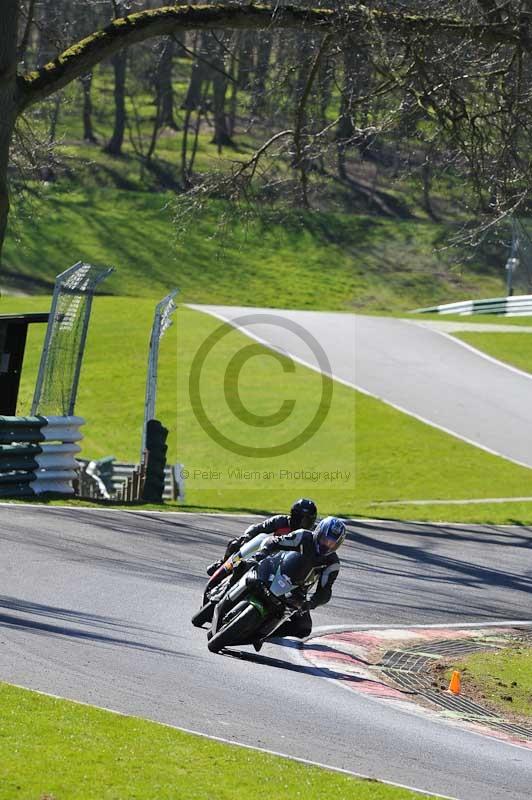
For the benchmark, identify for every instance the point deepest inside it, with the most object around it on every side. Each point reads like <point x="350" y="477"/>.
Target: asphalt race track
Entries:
<point x="412" y="366"/>
<point x="95" y="606"/>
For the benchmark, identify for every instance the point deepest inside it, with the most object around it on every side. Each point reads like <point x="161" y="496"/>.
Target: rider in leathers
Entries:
<point x="302" y="515"/>
<point x="319" y="547"/>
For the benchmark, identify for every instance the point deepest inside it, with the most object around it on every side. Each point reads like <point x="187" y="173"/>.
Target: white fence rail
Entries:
<point x="518" y="306"/>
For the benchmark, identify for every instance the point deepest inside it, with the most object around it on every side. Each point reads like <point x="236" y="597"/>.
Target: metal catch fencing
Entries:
<point x="37" y="455"/>
<point x="64" y="343"/>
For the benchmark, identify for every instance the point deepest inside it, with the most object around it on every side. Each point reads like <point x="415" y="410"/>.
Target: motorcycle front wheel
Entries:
<point x="237" y="630"/>
<point x="204" y="614"/>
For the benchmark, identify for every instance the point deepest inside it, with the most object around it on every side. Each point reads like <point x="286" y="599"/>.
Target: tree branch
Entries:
<point x="83" y="56"/>
<point x="300" y="118"/>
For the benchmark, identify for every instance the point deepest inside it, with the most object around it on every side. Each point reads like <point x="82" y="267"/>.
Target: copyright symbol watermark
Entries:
<point x="287" y="406"/>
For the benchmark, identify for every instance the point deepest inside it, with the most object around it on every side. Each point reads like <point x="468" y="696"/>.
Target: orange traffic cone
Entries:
<point x="455" y="684"/>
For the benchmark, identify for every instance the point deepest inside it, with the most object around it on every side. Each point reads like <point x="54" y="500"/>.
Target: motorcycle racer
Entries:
<point x="303" y="514"/>
<point x="319" y="547"/>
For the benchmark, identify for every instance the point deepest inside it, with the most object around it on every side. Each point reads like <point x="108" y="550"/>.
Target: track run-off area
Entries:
<point x="96" y="606"/>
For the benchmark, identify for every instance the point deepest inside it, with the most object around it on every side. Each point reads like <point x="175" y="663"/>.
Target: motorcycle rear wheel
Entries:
<point x="236" y="630"/>
<point x="204" y="614"/>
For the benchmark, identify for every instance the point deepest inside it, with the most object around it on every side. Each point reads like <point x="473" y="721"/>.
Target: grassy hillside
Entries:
<point x="281" y="259"/>
<point x="121" y="210"/>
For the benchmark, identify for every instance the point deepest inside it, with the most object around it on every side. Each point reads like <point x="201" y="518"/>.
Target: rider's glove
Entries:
<point x="257" y="557"/>
<point x="235" y="545"/>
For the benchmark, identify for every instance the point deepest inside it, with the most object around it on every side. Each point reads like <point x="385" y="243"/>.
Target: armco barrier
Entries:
<point x="174" y="484"/>
<point x="21" y="429"/>
<point x="520" y="305"/>
<point x="20" y="439"/>
<point x="118" y="477"/>
<point x="57" y="463"/>
<point x="37" y="455"/>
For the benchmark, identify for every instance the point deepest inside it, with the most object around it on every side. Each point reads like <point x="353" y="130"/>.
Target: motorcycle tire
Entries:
<point x="203" y="615"/>
<point x="237" y="629"/>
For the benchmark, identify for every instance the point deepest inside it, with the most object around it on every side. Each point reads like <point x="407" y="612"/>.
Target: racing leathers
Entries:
<point x="323" y="573"/>
<point x="278" y="525"/>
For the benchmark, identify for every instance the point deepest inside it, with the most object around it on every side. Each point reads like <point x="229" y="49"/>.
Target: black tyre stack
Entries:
<point x="156" y="449"/>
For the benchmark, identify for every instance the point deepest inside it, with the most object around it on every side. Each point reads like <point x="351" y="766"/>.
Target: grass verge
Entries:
<point x="510" y="512"/>
<point x="53" y="749"/>
<point x="502" y="680"/>
<point x="512" y="348"/>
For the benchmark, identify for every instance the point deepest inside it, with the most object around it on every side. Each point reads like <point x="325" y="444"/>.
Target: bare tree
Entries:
<point x="164" y="88"/>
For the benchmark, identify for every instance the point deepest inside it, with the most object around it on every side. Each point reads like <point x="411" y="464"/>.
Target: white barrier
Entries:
<point x="57" y="463"/>
<point x="63" y="429"/>
<point x="518" y="306"/>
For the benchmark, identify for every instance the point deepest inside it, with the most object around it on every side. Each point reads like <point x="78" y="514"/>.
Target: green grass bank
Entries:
<point x="54" y="749"/>
<point x="279" y="258"/>
<point x="502" y="679"/>
<point x="512" y="348"/>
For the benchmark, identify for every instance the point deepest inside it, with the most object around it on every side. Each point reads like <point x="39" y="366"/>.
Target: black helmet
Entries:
<point x="303" y="514"/>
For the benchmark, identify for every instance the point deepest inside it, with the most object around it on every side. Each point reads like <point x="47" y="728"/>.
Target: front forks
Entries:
<point x="227" y="603"/>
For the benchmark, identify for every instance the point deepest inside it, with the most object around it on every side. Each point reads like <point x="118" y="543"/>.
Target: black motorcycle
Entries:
<point x="232" y="569"/>
<point x="264" y="598"/>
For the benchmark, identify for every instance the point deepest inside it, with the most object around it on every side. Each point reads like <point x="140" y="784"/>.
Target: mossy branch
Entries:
<point x="123" y="32"/>
<point x="134" y="28"/>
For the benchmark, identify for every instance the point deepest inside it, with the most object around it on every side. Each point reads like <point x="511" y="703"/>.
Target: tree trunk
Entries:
<point x="165" y="90"/>
<point x="198" y="75"/>
<point x="426" y="172"/>
<point x="345" y="129"/>
<point x="46" y="49"/>
<point x="47" y="172"/>
<point x="185" y="178"/>
<point x="221" y="129"/>
<point x="88" y="131"/>
<point x="261" y="73"/>
<point x="233" y="99"/>
<point x="220" y="79"/>
<point x="116" y="141"/>
<point x="243" y="48"/>
<point x="8" y="109"/>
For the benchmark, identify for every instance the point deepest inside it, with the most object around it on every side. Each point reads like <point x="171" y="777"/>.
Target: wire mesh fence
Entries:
<point x="58" y="377"/>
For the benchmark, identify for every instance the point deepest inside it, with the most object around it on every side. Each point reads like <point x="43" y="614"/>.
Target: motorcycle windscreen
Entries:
<point x="281" y="584"/>
<point x="284" y="571"/>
